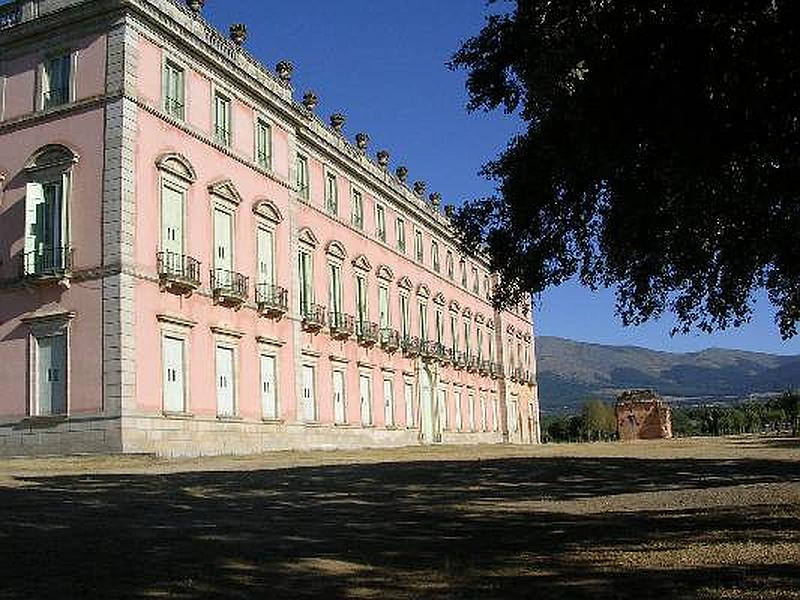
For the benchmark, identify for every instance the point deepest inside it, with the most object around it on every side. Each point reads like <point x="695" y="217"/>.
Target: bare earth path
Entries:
<point x="697" y="518"/>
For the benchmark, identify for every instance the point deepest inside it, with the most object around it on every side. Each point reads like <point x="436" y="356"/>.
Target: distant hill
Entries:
<point x="570" y="371"/>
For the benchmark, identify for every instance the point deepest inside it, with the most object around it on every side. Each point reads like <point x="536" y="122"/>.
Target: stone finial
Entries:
<point x="238" y="33"/>
<point x="436" y="199"/>
<point x="285" y="69"/>
<point x="337" y="121"/>
<point x="402" y="173"/>
<point x="419" y="188"/>
<point x="449" y="211"/>
<point x="195" y="5"/>
<point x="310" y="100"/>
<point x="362" y="139"/>
<point x="383" y="158"/>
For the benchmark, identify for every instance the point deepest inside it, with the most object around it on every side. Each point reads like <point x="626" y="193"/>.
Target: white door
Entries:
<point x="426" y="406"/>
<point x="388" y="402"/>
<point x="269" y="399"/>
<point x="225" y="406"/>
<point x="459" y="417"/>
<point x="171" y="222"/>
<point x="52" y="380"/>
<point x="223" y="233"/>
<point x="471" y="410"/>
<point x="339" y="413"/>
<point x="309" y="407"/>
<point x="174" y="395"/>
<point x="441" y="410"/>
<point x="266" y="260"/>
<point x="484" y="414"/>
<point x="366" y="400"/>
<point x="408" y="399"/>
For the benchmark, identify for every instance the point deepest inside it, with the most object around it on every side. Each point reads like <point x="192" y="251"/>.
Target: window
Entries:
<point x="222" y="119"/>
<point x="463" y="267"/>
<point x="265" y="251"/>
<point x="419" y="253"/>
<point x="51" y="374"/>
<point x="223" y="242"/>
<point x="380" y="222"/>
<point x="174" y="90"/>
<point x="365" y="396"/>
<point x="304" y="267"/>
<point x="487" y="289"/>
<point x="475" y="282"/>
<point x="46" y="241"/>
<point x="439" y="326"/>
<point x="357" y="216"/>
<point x="173" y="359"/>
<point x="491" y="345"/>
<point x="459" y="418"/>
<point x="308" y="406"/>
<point x="454" y="332"/>
<point x="301" y="166"/>
<point x="263" y="144"/>
<point x="467" y="335"/>
<point x="442" y="407"/>
<point x="471" y="409"/>
<point x="405" y="324"/>
<point x="400" y="227"/>
<point x="362" y="315"/>
<point x="335" y="291"/>
<point x="56" y="81"/>
<point x="388" y="402"/>
<point x="331" y="194"/>
<point x="172" y="208"/>
<point x="449" y="264"/>
<point x="383" y="307"/>
<point x="339" y="400"/>
<point x="435" y="255"/>
<point x="226" y="405"/>
<point x="479" y="334"/>
<point x="423" y="320"/>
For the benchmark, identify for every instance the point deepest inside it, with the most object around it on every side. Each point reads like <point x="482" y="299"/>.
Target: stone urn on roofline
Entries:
<point x="195" y="5"/>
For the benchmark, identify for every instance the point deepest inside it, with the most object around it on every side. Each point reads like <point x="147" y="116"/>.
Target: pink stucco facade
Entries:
<point x="144" y="170"/>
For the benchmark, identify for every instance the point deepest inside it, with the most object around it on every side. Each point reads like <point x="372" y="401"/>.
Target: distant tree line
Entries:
<point x="597" y="420"/>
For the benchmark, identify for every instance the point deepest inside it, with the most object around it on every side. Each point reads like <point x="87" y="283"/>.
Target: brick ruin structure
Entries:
<point x="642" y="415"/>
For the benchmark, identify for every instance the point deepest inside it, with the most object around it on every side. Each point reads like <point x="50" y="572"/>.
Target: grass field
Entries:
<point x="697" y="518"/>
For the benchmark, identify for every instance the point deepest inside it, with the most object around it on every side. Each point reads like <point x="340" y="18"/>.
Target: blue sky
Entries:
<point x="383" y="65"/>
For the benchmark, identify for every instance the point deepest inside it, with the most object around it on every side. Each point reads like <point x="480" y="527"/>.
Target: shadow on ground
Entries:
<point x="399" y="530"/>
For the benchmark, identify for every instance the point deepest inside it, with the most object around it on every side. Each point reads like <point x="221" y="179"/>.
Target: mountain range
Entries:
<point x="570" y="371"/>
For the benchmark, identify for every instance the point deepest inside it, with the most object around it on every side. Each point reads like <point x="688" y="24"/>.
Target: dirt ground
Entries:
<point x="692" y="518"/>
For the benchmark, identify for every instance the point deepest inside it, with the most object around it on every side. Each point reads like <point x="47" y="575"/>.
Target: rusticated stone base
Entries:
<point x="75" y="435"/>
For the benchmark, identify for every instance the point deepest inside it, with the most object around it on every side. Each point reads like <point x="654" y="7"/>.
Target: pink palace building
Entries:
<point x="192" y="262"/>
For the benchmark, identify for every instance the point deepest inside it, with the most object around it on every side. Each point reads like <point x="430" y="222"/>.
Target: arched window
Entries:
<point x="47" y="197"/>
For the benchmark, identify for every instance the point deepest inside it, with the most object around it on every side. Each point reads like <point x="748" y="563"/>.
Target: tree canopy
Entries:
<point x="659" y="155"/>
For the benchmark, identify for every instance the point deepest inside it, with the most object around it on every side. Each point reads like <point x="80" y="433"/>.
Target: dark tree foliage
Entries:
<point x="660" y="157"/>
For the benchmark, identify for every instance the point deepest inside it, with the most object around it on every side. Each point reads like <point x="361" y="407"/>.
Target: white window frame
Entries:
<point x="303" y="176"/>
<point x="170" y="63"/>
<point x="331" y="193"/>
<point x="419" y="249"/>
<point x="435" y="255"/>
<point x="178" y="329"/>
<point x="228" y="344"/>
<point x="356" y="208"/>
<point x="380" y="221"/>
<point x="48" y="328"/>
<point x="272" y="352"/>
<point x="72" y="57"/>
<point x="400" y="231"/>
<point x="227" y="99"/>
<point x="262" y="158"/>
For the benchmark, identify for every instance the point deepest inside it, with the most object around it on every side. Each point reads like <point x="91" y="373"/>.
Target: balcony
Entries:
<point x="47" y="265"/>
<point x="229" y="288"/>
<point x="390" y="340"/>
<point x="313" y="317"/>
<point x="459" y="360"/>
<point x="368" y="333"/>
<point x="512" y="374"/>
<point x="178" y="273"/>
<point x="447" y="357"/>
<point x="341" y="325"/>
<point x="10" y="15"/>
<point x="272" y="300"/>
<point x="472" y="363"/>
<point x="485" y="367"/>
<point x="411" y="347"/>
<point x="496" y="370"/>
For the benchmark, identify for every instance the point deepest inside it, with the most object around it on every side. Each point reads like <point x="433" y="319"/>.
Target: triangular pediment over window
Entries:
<point x="423" y="290"/>
<point x="307" y="237"/>
<point x="336" y="249"/>
<point x="361" y="262"/>
<point x="385" y="272"/>
<point x="176" y="164"/>
<point x="226" y="190"/>
<point x="404" y="282"/>
<point x="439" y="298"/>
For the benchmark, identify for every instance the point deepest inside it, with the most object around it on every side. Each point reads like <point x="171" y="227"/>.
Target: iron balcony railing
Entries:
<point x="178" y="270"/>
<point x="472" y="363"/>
<point x="432" y="350"/>
<point x="459" y="360"/>
<point x="485" y="367"/>
<point x="368" y="333"/>
<point x="229" y="287"/>
<point x="341" y="325"/>
<point x="51" y="261"/>
<point x="390" y="339"/>
<point x="272" y="300"/>
<point x="55" y="97"/>
<point x="447" y="356"/>
<point x="411" y="346"/>
<point x="174" y="108"/>
<point x="496" y="370"/>
<point x="313" y="317"/>
<point x="10" y="15"/>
